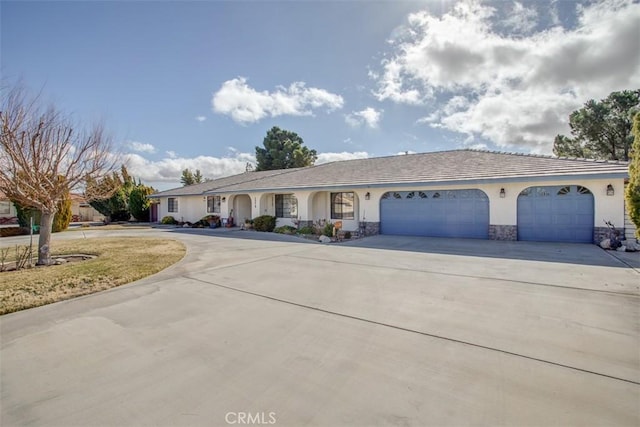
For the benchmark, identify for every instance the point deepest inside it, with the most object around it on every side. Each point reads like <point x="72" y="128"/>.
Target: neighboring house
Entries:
<point x="8" y="213"/>
<point x="459" y="193"/>
<point x="82" y="211"/>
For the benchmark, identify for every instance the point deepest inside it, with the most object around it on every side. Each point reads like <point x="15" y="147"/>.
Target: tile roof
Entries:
<point x="443" y="166"/>
<point x="434" y="167"/>
<point x="199" y="189"/>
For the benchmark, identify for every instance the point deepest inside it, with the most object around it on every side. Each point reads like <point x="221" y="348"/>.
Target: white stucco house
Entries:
<point x="458" y="193"/>
<point x="8" y="214"/>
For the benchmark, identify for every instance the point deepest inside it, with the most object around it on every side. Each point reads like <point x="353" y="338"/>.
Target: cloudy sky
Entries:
<point x="198" y="84"/>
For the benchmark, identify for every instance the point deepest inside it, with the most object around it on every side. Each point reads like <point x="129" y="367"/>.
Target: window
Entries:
<point x="286" y="206"/>
<point x="172" y="204"/>
<point x="213" y="204"/>
<point x="5" y="207"/>
<point x="342" y="206"/>
<point x="583" y="190"/>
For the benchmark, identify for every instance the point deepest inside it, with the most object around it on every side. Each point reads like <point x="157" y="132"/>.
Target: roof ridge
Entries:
<point x="283" y="171"/>
<point x="548" y="156"/>
<point x="393" y="155"/>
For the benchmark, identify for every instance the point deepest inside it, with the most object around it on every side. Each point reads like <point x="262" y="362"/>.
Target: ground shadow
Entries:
<point x="566" y="253"/>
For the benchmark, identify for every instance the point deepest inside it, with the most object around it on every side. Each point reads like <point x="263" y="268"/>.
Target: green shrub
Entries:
<point x="62" y="218"/>
<point x="207" y="221"/>
<point x="306" y="230"/>
<point x="285" y="229"/>
<point x="328" y="229"/>
<point x="139" y="203"/>
<point x="169" y="220"/>
<point x="24" y="215"/>
<point x="264" y="223"/>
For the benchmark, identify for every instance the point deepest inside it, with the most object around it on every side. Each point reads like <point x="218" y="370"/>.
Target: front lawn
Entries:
<point x="118" y="261"/>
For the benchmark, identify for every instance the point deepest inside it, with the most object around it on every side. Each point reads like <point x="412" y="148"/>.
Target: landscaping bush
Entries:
<point x="328" y="229"/>
<point x="62" y="218"/>
<point x="169" y="220"/>
<point x="264" y="223"/>
<point x="306" y="230"/>
<point x="207" y="221"/>
<point x="285" y="229"/>
<point x="139" y="203"/>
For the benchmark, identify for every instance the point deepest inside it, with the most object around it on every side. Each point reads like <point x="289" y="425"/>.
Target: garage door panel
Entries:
<point x="560" y="214"/>
<point x="450" y="213"/>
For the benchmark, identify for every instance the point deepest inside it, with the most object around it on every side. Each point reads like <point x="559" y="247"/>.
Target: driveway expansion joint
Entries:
<point x="413" y="331"/>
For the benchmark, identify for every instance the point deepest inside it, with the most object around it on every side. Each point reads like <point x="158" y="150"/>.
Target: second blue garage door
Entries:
<point x="556" y="214"/>
<point x="446" y="213"/>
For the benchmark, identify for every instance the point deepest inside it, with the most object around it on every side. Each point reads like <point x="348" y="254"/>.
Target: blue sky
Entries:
<point x="198" y="84"/>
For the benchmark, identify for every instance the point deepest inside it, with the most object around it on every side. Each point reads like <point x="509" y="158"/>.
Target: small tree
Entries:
<point x="139" y="203"/>
<point x="283" y="150"/>
<point x="64" y="214"/>
<point x="190" y="178"/>
<point x="116" y="205"/>
<point x="632" y="194"/>
<point x="44" y="155"/>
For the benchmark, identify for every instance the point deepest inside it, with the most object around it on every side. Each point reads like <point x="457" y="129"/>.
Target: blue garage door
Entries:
<point x="556" y="214"/>
<point x="446" y="213"/>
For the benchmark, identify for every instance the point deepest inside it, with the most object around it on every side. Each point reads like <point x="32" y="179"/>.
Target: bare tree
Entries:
<point x="44" y="154"/>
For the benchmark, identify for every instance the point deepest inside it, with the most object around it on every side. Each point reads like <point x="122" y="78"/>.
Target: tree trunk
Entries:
<point x="44" y="242"/>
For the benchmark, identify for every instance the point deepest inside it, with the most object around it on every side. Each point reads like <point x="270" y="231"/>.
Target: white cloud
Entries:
<point x="345" y="155"/>
<point x="247" y="105"/>
<point x="513" y="89"/>
<point x="200" y="118"/>
<point x="369" y="117"/>
<point x="166" y="173"/>
<point x="171" y="154"/>
<point x="169" y="170"/>
<point x="521" y="19"/>
<point x="141" y="147"/>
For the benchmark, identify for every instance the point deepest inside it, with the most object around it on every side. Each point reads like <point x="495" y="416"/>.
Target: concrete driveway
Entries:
<point x="263" y="329"/>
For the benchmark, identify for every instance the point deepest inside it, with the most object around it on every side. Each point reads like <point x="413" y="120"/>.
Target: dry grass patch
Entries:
<point x="118" y="261"/>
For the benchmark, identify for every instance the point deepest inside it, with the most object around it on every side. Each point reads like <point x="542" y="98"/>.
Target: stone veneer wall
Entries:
<point x="503" y="232"/>
<point x="601" y="233"/>
<point x="370" y="228"/>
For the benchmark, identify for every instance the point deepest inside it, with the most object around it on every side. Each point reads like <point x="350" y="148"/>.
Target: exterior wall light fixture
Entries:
<point x="367" y="196"/>
<point x="610" y="191"/>
<point x="224" y="199"/>
<point x="503" y="193"/>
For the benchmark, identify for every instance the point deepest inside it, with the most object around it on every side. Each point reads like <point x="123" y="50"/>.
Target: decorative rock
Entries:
<point x="605" y="244"/>
<point x="633" y="247"/>
<point x="59" y="261"/>
<point x="324" y="239"/>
